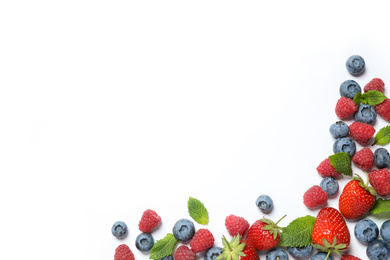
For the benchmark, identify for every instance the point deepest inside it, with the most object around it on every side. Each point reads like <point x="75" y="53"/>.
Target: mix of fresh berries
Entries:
<point x="320" y="236"/>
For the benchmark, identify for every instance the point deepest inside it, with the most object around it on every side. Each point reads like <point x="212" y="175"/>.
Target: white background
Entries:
<point x="109" y="108"/>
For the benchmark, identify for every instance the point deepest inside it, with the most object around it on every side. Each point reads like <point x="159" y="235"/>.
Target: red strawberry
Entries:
<point x="383" y="109"/>
<point x="149" y="221"/>
<point x="184" y="253"/>
<point x="364" y="159"/>
<point x="345" y="108"/>
<point x="238" y="249"/>
<point x="380" y="181"/>
<point x="330" y="232"/>
<point x="375" y="84"/>
<point x="361" y="132"/>
<point x="314" y="197"/>
<point x="264" y="234"/>
<point x="325" y="169"/>
<point x="202" y="240"/>
<point x="236" y="225"/>
<point x="249" y="251"/>
<point x="350" y="257"/>
<point x="123" y="252"/>
<point x="356" y="198"/>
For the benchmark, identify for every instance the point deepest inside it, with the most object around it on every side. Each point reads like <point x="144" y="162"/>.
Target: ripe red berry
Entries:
<point x="149" y="221"/>
<point x="345" y="108"/>
<point x="375" y="84"/>
<point x="361" y="132"/>
<point x="380" y="181"/>
<point x="235" y="224"/>
<point x="383" y="109"/>
<point x="202" y="240"/>
<point x="364" y="159"/>
<point x="325" y="169"/>
<point x="184" y="253"/>
<point x="350" y="257"/>
<point x="315" y="196"/>
<point x="123" y="252"/>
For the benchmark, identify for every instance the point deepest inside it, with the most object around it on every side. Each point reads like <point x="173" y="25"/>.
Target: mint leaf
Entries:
<point x="381" y="206"/>
<point x="383" y="136"/>
<point x="197" y="211"/>
<point x="357" y="98"/>
<point x="163" y="247"/>
<point x="342" y="163"/>
<point x="298" y="232"/>
<point x="373" y="97"/>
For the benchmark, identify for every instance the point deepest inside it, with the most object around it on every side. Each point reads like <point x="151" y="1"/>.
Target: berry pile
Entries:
<point x="319" y="237"/>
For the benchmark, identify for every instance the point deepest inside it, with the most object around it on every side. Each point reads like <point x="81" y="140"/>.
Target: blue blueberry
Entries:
<point x="330" y="186"/>
<point x="265" y="203"/>
<point x="378" y="250"/>
<point x="300" y="252"/>
<point x="144" y="242"/>
<point x="355" y="65"/>
<point x="349" y="88"/>
<point x="183" y="230"/>
<point x="170" y="257"/>
<point x="321" y="256"/>
<point x="385" y="231"/>
<point x="346" y="145"/>
<point x="212" y="253"/>
<point x="365" y="114"/>
<point x="339" y="129"/>
<point x="277" y="254"/>
<point x="381" y="158"/>
<point x="366" y="231"/>
<point x="119" y="229"/>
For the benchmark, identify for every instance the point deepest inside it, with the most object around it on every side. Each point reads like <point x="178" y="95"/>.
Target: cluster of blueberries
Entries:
<point x="367" y="232"/>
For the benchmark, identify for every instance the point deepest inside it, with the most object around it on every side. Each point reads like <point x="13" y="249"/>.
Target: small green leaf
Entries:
<point x="342" y="163"/>
<point x="381" y="206"/>
<point x="383" y="136"/>
<point x="357" y="98"/>
<point x="197" y="211"/>
<point x="373" y="97"/>
<point x="163" y="247"/>
<point x="298" y="232"/>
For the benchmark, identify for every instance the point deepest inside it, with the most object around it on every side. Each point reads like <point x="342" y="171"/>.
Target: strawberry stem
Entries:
<point x="328" y="254"/>
<point x="280" y="219"/>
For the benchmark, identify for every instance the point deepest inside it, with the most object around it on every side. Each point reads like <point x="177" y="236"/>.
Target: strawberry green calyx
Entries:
<point x="364" y="185"/>
<point x="331" y="248"/>
<point x="232" y="250"/>
<point x="272" y="227"/>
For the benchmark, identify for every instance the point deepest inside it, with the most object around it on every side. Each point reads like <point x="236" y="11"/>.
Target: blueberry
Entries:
<point x="330" y="186"/>
<point x="119" y="229"/>
<point x="183" y="230"/>
<point x="265" y="203"/>
<point x="339" y="129"/>
<point x="345" y="144"/>
<point x="378" y="250"/>
<point x="300" y="252"/>
<point x="385" y="231"/>
<point x="366" y="231"/>
<point x="212" y="253"/>
<point x="277" y="254"/>
<point x="381" y="158"/>
<point x="355" y="65"/>
<point x="321" y="256"/>
<point x="144" y="242"/>
<point x="365" y="114"/>
<point x="349" y="88"/>
<point x="170" y="257"/>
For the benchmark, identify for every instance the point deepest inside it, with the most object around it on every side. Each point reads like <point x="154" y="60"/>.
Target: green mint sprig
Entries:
<point x="298" y="232"/>
<point x="197" y="211"/>
<point x="383" y="136"/>
<point x="342" y="163"/>
<point x="163" y="247"/>
<point x="381" y="206"/>
<point x="372" y="98"/>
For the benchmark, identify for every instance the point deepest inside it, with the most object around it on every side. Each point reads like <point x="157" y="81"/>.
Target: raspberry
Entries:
<point x="380" y="181"/>
<point x="149" y="221"/>
<point x="364" y="159"/>
<point x="236" y="225"/>
<point x="314" y="197"/>
<point x="375" y="84"/>
<point x="325" y="169"/>
<point x="202" y="240"/>
<point x="123" y="252"/>
<point x="184" y="253"/>
<point x="383" y="109"/>
<point x="345" y="108"/>
<point x="350" y="257"/>
<point x="361" y="132"/>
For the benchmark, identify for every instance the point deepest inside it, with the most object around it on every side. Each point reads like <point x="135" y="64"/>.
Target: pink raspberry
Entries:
<point x="315" y="197"/>
<point x="123" y="252"/>
<point x="202" y="240"/>
<point x="184" y="253"/>
<point x="383" y="109"/>
<point x="375" y="84"/>
<point x="236" y="225"/>
<point x="149" y="221"/>
<point x="361" y="132"/>
<point x="345" y="108"/>
<point x="380" y="181"/>
<point x="325" y="169"/>
<point x="364" y="159"/>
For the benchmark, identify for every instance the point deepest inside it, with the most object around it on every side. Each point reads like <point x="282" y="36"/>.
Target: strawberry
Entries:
<point x="330" y="232"/>
<point x="325" y="169"/>
<point x="364" y="159"/>
<point x="345" y="108"/>
<point x="380" y="181"/>
<point x="264" y="234"/>
<point x="238" y="249"/>
<point x="356" y="198"/>
<point x="361" y="132"/>
<point x="375" y="84"/>
<point x="123" y="252"/>
<point x="149" y="221"/>
<point x="350" y="257"/>
<point x="236" y="225"/>
<point x="249" y="251"/>
<point x="184" y="253"/>
<point x="202" y="240"/>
